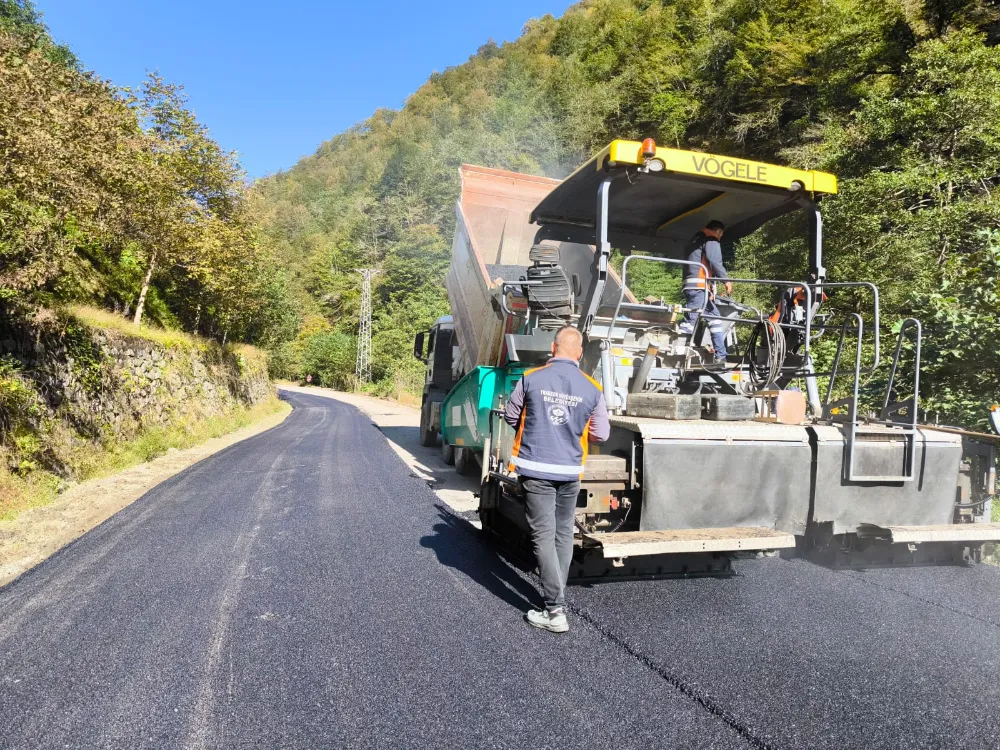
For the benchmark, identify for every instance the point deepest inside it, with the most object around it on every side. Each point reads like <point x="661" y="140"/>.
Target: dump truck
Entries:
<point x="706" y="461"/>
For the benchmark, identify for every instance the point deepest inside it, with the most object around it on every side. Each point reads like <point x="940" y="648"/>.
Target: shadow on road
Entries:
<point x="407" y="437"/>
<point x="430" y="462"/>
<point x="456" y="546"/>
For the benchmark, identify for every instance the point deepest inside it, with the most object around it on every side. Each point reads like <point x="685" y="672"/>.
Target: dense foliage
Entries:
<point x="122" y="198"/>
<point x="897" y="98"/>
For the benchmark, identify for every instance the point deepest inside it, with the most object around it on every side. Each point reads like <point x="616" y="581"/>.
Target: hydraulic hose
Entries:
<point x="763" y="375"/>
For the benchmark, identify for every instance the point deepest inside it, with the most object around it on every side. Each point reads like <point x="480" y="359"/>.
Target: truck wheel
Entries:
<point x="465" y="461"/>
<point x="428" y="432"/>
<point x="447" y="453"/>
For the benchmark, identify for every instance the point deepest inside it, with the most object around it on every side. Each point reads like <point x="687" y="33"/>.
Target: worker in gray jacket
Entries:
<point x="556" y="410"/>
<point x="705" y="249"/>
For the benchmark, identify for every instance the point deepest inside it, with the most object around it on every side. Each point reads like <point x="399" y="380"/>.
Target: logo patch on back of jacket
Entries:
<point x="557" y="414"/>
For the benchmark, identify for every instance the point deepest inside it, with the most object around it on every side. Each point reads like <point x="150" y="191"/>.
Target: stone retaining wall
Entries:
<point x="106" y="383"/>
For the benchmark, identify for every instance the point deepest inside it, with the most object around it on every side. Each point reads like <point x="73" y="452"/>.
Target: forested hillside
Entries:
<point x="900" y="99"/>
<point x="122" y="199"/>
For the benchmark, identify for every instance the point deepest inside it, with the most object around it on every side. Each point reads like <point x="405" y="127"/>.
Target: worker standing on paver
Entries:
<point x="705" y="249"/>
<point x="556" y="410"/>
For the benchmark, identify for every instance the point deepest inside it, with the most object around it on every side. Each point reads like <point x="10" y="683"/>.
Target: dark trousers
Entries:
<point x="550" y="509"/>
<point x="693" y="299"/>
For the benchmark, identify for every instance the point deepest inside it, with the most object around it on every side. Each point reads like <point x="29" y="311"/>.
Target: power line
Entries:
<point x="363" y="364"/>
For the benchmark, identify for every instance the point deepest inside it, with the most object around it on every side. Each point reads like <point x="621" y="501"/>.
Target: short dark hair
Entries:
<point x="715" y="224"/>
<point x="566" y="333"/>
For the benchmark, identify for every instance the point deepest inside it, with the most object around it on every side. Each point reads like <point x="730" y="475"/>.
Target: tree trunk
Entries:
<point x="197" y="313"/>
<point x="141" y="304"/>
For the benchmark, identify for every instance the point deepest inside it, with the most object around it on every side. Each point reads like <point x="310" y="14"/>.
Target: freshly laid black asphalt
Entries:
<point x="305" y="589"/>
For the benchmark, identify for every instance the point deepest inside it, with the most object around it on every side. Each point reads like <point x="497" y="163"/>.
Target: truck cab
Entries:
<point x="435" y="348"/>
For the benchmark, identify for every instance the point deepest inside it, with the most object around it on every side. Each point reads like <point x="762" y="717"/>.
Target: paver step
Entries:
<point x="730" y="539"/>
<point x="946" y="532"/>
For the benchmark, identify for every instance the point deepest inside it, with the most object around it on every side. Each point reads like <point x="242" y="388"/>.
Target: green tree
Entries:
<point x="960" y="371"/>
<point x="21" y="18"/>
<point x="330" y="358"/>
<point x="73" y="160"/>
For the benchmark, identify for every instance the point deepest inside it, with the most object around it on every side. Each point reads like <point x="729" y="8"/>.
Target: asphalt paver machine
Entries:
<point x="705" y="461"/>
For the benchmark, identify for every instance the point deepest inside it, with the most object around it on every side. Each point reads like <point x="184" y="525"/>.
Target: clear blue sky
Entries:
<point x="272" y="80"/>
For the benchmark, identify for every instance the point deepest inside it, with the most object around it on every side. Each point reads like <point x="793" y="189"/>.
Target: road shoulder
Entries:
<point x="37" y="533"/>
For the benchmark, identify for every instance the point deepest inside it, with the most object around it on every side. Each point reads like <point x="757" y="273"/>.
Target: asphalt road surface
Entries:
<point x="305" y="589"/>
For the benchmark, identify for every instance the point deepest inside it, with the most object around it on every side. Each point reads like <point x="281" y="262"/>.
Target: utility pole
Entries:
<point x="363" y="365"/>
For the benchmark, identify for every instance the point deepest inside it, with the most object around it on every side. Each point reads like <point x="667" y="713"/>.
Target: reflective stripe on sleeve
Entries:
<point x="524" y="463"/>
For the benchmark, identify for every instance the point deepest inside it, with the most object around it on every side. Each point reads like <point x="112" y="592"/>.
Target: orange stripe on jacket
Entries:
<point x="517" y="442"/>
<point x="585" y="437"/>
<point x="585" y="444"/>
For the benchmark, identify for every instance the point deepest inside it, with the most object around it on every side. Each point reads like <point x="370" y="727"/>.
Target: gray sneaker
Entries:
<point x="554" y="622"/>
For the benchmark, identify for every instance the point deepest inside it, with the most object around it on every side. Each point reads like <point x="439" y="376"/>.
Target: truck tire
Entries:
<point x="448" y="453"/>
<point x="428" y="432"/>
<point x="465" y="461"/>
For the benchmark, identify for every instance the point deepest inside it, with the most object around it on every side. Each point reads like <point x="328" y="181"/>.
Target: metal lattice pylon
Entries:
<point x="363" y="364"/>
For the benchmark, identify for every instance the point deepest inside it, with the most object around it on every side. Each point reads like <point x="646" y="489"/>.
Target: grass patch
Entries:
<point x="991" y="551"/>
<point x="17" y="494"/>
<point x="98" y="318"/>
